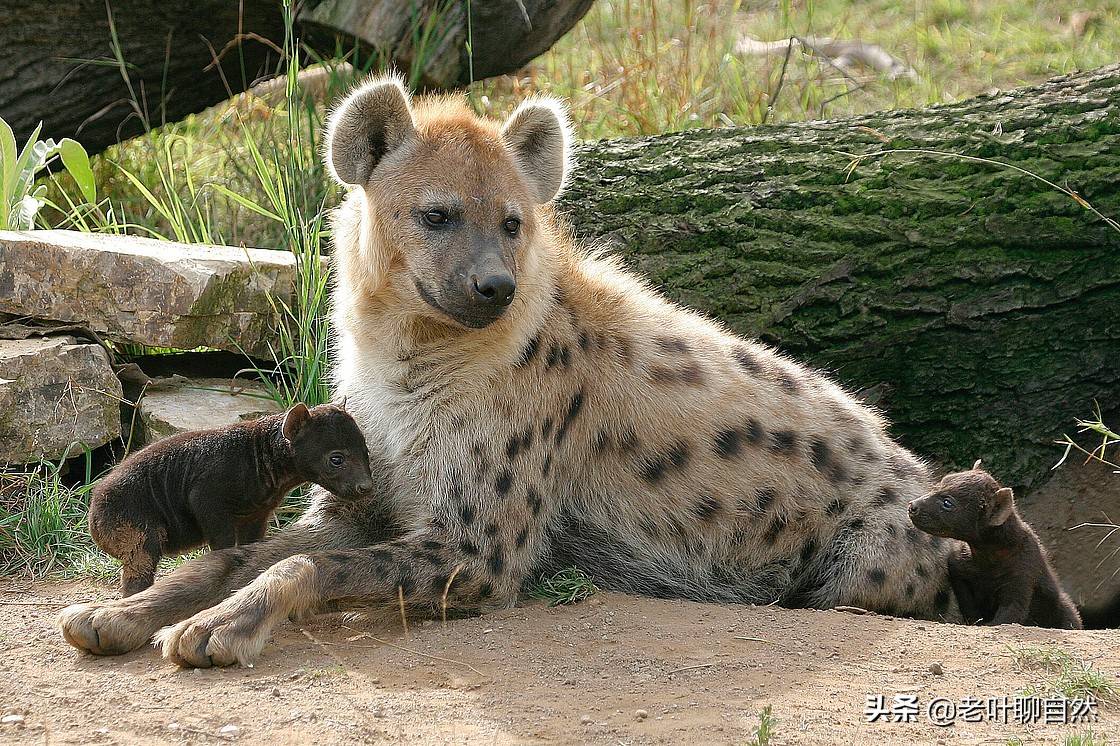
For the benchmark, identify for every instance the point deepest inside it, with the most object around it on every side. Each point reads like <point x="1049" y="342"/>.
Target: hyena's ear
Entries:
<point x="976" y="465"/>
<point x="538" y="132"/>
<point x="1001" y="506"/>
<point x="296" y="418"/>
<point x="368" y="125"/>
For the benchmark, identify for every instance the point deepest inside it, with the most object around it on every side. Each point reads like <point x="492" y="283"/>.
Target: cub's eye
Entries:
<point x="946" y="503"/>
<point x="337" y="459"/>
<point x="436" y="218"/>
<point x="512" y="226"/>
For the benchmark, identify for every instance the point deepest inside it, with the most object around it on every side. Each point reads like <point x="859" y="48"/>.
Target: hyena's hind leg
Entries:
<point x="116" y="627"/>
<point x="878" y="561"/>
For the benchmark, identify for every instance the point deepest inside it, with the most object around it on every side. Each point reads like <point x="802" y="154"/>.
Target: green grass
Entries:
<point x="565" y="587"/>
<point x="43" y="519"/>
<point x="1088" y="738"/>
<point x="1064" y="674"/>
<point x="765" y="730"/>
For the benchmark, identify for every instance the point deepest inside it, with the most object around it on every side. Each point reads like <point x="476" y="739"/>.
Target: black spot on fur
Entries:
<point x="574" y="408"/>
<point x="877" y="576"/>
<point x="439" y="583"/>
<point x="856" y="524"/>
<point x="522" y="537"/>
<point x="913" y="535"/>
<point x="492" y="529"/>
<point x="754" y="431"/>
<point x="601" y="443"/>
<point x="783" y="441"/>
<point x="546" y="428"/>
<point x="432" y="545"/>
<point x="513" y="447"/>
<point x="909" y="590"/>
<point x="707" y="507"/>
<point x="922" y="571"/>
<point x="485" y="590"/>
<point x="468" y="548"/>
<point x="530" y="351"/>
<point x="496" y="563"/>
<point x="747" y="361"/>
<point x="727" y="442"/>
<point x="819" y="454"/>
<point x="672" y="344"/>
<point x="788" y="383"/>
<point x="836" y="507"/>
<point x="533" y="499"/>
<point x="941" y="600"/>
<point x="777" y="526"/>
<point x="466" y="512"/>
<point x="808" y="551"/>
<point x="584" y="340"/>
<point x="503" y="482"/>
<point x="653" y="469"/>
<point x="546" y="467"/>
<point x="628" y="441"/>
<point x="678" y="454"/>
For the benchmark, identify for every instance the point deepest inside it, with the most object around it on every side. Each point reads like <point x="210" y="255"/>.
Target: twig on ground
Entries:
<point x="690" y="668"/>
<point x="368" y="636"/>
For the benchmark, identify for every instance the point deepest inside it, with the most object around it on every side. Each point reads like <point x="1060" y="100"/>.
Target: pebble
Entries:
<point x="377" y="712"/>
<point x="641" y="714"/>
<point x="229" y="730"/>
<point x="936" y="669"/>
<point x="275" y="691"/>
<point x="585" y="720"/>
<point x="12" y="719"/>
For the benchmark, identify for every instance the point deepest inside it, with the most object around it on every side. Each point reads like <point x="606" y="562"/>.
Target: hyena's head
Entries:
<point x="452" y="228"/>
<point x="964" y="506"/>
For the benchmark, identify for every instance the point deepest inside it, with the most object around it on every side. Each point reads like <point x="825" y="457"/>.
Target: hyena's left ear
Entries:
<point x="538" y="132"/>
<point x="1001" y="506"/>
<point x="373" y="121"/>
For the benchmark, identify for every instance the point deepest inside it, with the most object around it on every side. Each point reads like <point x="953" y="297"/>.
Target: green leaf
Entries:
<point x="7" y="168"/>
<point x="76" y="160"/>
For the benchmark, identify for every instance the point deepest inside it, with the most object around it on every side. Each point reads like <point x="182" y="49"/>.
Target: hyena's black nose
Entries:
<point x="912" y="507"/>
<point x="494" y="289"/>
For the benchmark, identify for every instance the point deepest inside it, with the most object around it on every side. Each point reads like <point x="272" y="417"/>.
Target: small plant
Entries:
<point x="43" y="519"/>
<point x="1088" y="738"/>
<point x="1072" y="678"/>
<point x="765" y="730"/>
<point x="565" y="587"/>
<point x="21" y="197"/>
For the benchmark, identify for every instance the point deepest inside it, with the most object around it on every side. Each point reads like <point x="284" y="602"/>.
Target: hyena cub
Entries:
<point x="1003" y="576"/>
<point x="219" y="487"/>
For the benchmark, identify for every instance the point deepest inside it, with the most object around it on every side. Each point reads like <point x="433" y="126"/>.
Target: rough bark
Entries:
<point x="58" y="65"/>
<point x="978" y="306"/>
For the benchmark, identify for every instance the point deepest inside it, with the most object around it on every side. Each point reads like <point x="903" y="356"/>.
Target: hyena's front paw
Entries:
<point x="104" y="629"/>
<point x="234" y="631"/>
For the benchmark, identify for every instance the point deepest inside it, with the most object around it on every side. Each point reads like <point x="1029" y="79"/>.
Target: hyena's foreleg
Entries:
<point x="115" y="627"/>
<point x="426" y="567"/>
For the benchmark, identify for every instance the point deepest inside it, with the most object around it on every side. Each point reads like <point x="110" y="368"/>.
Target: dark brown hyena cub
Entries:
<point x="219" y="487"/>
<point x="1003" y="575"/>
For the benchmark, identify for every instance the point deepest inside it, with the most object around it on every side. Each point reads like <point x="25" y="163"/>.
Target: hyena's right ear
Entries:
<point x="368" y="125"/>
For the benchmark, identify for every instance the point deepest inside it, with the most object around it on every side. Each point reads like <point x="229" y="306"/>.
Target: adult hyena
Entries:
<point x="529" y="406"/>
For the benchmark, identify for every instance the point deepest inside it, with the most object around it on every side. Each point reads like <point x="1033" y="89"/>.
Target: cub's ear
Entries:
<point x="539" y="134"/>
<point x="368" y="125"/>
<point x="1002" y="502"/>
<point x="296" y="418"/>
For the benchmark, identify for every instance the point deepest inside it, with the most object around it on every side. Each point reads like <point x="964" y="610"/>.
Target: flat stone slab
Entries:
<point x="171" y="406"/>
<point x="154" y="293"/>
<point x="55" y="391"/>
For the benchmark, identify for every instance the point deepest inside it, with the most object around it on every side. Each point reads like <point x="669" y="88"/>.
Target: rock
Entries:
<point x="148" y="292"/>
<point x="12" y="719"/>
<point x="55" y="391"/>
<point x="585" y="720"/>
<point x="171" y="406"/>
<point x="936" y="669"/>
<point x="641" y="714"/>
<point x="229" y="730"/>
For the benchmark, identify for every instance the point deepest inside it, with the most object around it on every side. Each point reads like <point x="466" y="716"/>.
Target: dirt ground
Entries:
<point x="613" y="669"/>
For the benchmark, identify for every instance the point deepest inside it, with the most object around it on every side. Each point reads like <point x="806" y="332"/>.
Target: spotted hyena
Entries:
<point x="531" y="405"/>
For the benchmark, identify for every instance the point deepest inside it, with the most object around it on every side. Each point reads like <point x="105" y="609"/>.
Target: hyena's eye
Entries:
<point x="337" y="459"/>
<point x="946" y="503"/>
<point x="436" y="218"/>
<point x="512" y="226"/>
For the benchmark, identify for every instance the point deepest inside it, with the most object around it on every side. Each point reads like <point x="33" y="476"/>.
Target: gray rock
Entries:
<point x="55" y="391"/>
<point x="171" y="406"/>
<point x="148" y="292"/>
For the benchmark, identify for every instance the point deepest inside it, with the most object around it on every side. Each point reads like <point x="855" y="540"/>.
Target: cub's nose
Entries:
<point x="494" y="289"/>
<point x="363" y="488"/>
<point x="912" y="507"/>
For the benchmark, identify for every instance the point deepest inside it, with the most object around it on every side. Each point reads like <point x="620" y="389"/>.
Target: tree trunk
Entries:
<point x="979" y="307"/>
<point x="60" y="63"/>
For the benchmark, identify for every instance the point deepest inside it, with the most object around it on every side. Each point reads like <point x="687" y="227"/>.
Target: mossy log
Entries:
<point x="977" y="305"/>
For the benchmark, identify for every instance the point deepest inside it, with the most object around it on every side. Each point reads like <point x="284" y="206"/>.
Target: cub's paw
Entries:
<point x="103" y="629"/>
<point x="234" y="631"/>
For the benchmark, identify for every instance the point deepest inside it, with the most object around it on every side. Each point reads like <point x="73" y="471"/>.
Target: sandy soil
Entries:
<point x="613" y="669"/>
